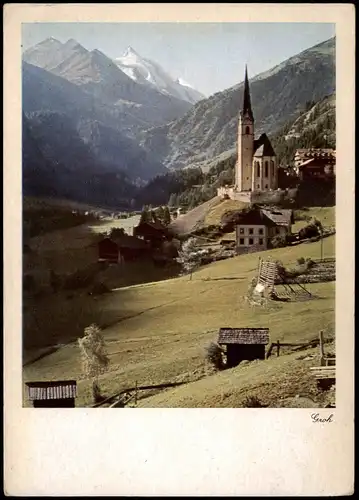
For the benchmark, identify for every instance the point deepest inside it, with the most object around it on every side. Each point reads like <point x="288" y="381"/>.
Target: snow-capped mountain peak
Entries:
<point x="129" y="53"/>
<point x="147" y="72"/>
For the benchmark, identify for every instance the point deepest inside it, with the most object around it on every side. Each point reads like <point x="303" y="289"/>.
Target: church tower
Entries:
<point x="245" y="142"/>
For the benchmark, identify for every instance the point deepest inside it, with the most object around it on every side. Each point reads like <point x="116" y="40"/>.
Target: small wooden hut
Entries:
<point x="243" y="344"/>
<point x="54" y="394"/>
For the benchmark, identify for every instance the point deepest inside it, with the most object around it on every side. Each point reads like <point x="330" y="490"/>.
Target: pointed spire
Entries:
<point x="247" y="108"/>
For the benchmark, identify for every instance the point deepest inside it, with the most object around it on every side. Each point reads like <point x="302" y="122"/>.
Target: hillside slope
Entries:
<point x="279" y="95"/>
<point x="158" y="332"/>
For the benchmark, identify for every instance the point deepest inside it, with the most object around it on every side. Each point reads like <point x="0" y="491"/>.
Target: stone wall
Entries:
<point x="272" y="197"/>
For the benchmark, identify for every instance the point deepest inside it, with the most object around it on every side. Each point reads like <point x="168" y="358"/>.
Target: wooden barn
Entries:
<point x="108" y="251"/>
<point x="243" y="344"/>
<point x="121" y="249"/>
<point x="58" y="394"/>
<point x="154" y="233"/>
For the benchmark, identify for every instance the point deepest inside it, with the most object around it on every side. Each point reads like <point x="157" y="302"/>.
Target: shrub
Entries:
<point x="98" y="397"/>
<point x="81" y="278"/>
<point x="301" y="260"/>
<point x="279" y="241"/>
<point x="252" y="402"/>
<point x="99" y="289"/>
<point x="309" y="231"/>
<point x="214" y="355"/>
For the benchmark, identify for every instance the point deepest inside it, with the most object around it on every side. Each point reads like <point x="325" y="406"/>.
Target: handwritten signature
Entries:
<point x="316" y="418"/>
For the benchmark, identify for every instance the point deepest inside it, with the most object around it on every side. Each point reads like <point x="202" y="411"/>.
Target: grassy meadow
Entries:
<point x="157" y="332"/>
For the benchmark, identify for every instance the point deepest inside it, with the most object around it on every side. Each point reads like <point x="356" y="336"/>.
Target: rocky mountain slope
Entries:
<point x="209" y="129"/>
<point x="57" y="163"/>
<point x="190" y="187"/>
<point x="151" y="74"/>
<point x="72" y="145"/>
<point x="96" y="74"/>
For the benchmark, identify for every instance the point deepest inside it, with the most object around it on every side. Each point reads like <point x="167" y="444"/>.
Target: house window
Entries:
<point x="258" y="169"/>
<point x="260" y="231"/>
<point x="261" y="241"/>
<point x="250" y="230"/>
<point x="241" y="241"/>
<point x="241" y="230"/>
<point x="250" y="241"/>
<point x="248" y="130"/>
<point x="277" y="230"/>
<point x="266" y="169"/>
<point x="257" y="186"/>
<point x="266" y="186"/>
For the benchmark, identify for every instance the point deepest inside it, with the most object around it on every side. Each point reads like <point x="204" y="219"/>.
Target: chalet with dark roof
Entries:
<point x="153" y="233"/>
<point x="315" y="163"/>
<point x="121" y="249"/>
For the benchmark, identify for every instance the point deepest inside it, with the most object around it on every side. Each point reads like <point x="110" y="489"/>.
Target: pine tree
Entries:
<point x="144" y="215"/>
<point x="160" y="214"/>
<point x="166" y="216"/>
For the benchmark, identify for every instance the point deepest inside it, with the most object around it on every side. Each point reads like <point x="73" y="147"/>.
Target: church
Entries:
<point x="256" y="169"/>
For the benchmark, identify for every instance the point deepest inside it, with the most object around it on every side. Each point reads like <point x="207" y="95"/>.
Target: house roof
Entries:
<point x="265" y="217"/>
<point x="59" y="389"/>
<point x="263" y="147"/>
<point x="126" y="241"/>
<point x="243" y="336"/>
<point x="156" y="227"/>
<point x="280" y="217"/>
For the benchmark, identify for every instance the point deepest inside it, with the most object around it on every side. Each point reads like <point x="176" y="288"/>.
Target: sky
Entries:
<point x="209" y="56"/>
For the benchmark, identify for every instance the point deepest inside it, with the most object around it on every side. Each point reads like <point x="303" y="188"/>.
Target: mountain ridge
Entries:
<point x="209" y="129"/>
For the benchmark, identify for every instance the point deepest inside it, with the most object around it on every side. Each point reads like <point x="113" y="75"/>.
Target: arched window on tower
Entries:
<point x="272" y="168"/>
<point x="258" y="168"/>
<point x="248" y="130"/>
<point x="266" y="169"/>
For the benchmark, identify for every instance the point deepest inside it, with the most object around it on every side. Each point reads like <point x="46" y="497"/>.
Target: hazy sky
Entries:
<point x="209" y="56"/>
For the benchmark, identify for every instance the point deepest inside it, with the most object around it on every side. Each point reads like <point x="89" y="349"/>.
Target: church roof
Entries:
<point x="263" y="146"/>
<point x="247" y="107"/>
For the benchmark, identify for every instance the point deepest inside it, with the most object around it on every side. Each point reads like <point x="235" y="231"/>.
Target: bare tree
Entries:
<point x="95" y="360"/>
<point x="189" y="256"/>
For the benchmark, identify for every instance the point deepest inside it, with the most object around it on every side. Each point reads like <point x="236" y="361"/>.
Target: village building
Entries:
<point x="315" y="163"/>
<point x="153" y="233"/>
<point x="243" y="344"/>
<point x="121" y="249"/>
<point x="256" y="228"/>
<point x="54" y="394"/>
<point x="256" y="169"/>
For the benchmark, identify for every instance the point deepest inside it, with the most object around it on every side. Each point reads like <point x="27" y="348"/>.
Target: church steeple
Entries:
<point x="247" y="108"/>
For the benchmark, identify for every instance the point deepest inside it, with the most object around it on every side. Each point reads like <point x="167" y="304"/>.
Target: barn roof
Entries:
<point x="243" y="336"/>
<point x="59" y="389"/>
<point x="126" y="241"/>
<point x="154" y="225"/>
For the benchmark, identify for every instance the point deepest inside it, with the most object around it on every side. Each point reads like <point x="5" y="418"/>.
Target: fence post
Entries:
<point x="278" y="347"/>
<point x="321" y="348"/>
